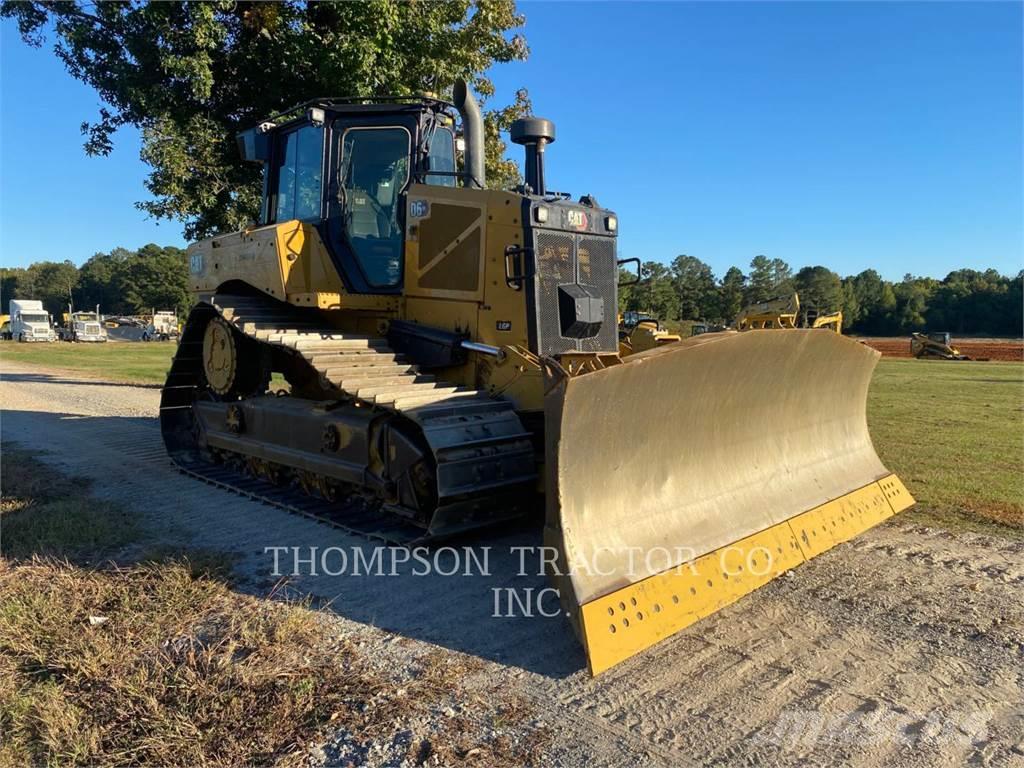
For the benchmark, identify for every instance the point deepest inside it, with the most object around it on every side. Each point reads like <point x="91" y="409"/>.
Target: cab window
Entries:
<point x="300" y="174"/>
<point x="374" y="172"/>
<point x="442" y="158"/>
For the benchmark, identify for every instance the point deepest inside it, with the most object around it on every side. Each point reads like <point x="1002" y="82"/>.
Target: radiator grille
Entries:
<point x="563" y="258"/>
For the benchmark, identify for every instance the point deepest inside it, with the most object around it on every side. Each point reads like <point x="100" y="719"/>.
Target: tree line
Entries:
<point x="966" y="301"/>
<point x="122" y="282"/>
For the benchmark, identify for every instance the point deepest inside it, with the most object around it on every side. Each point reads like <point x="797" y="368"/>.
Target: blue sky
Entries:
<point x="852" y="135"/>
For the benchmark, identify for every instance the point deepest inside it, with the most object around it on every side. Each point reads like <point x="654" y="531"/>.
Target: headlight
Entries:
<point x="541" y="214"/>
<point x="611" y="223"/>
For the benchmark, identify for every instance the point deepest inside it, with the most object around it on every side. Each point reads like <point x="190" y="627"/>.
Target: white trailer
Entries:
<point x="30" y="322"/>
<point x="163" y="326"/>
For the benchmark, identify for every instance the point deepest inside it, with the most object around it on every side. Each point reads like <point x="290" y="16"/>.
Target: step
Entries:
<point x="353" y="359"/>
<point x="445" y="415"/>
<point x="320" y="332"/>
<point x="389" y="393"/>
<point x="267" y="335"/>
<point x="253" y="315"/>
<point x="306" y="340"/>
<point x="357" y="382"/>
<point x="337" y="374"/>
<point x="437" y="400"/>
<point x="260" y="327"/>
<point x="337" y="344"/>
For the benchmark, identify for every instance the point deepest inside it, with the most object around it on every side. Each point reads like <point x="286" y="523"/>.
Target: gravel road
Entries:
<point x="904" y="647"/>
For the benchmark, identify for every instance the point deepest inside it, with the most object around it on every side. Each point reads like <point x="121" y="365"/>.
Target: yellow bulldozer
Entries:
<point x="640" y="331"/>
<point x="452" y="355"/>
<point x="784" y="312"/>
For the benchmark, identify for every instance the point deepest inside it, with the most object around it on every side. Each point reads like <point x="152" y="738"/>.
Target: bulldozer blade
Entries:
<point x="691" y="474"/>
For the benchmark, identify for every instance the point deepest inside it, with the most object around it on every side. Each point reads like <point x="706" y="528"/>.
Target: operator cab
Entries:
<point x="344" y="166"/>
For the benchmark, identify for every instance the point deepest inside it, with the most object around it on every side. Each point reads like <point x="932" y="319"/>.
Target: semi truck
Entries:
<point x="83" y="326"/>
<point x="30" y="322"/>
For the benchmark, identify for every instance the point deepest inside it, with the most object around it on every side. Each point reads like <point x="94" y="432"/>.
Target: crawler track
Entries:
<point x="482" y="455"/>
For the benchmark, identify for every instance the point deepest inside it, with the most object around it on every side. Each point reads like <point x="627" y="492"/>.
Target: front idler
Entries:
<point x="233" y="365"/>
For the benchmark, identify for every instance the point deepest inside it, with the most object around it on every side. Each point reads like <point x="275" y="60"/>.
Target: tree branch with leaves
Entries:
<point x="190" y="75"/>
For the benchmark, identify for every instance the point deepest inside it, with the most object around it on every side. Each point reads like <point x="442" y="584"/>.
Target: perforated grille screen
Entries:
<point x="563" y="258"/>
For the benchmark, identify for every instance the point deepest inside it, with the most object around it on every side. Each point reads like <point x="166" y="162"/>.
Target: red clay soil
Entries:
<point x="993" y="349"/>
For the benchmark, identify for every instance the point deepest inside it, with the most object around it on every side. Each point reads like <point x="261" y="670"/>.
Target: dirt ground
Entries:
<point x="902" y="647"/>
<point x="978" y="349"/>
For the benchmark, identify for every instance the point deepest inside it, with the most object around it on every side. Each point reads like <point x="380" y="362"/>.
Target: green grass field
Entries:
<point x="954" y="432"/>
<point x="130" y="362"/>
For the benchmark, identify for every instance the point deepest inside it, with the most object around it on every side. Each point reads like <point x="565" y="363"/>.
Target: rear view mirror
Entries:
<point x="254" y="144"/>
<point x="636" y="280"/>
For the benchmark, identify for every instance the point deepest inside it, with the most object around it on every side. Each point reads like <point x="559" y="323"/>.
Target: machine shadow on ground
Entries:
<point x="483" y="596"/>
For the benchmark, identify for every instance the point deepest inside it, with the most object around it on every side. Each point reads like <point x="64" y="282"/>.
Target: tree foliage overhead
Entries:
<point x="190" y="75"/>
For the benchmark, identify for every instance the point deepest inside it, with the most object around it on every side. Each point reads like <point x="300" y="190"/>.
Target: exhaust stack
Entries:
<point x="472" y="132"/>
<point x="534" y="133"/>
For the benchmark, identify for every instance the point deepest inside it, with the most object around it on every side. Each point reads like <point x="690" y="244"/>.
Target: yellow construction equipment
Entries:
<point x="639" y="331"/>
<point x="784" y="312"/>
<point x="452" y="349"/>
<point x="935" y="345"/>
<point x="699" y="327"/>
<point x="779" y="312"/>
<point x="832" y="321"/>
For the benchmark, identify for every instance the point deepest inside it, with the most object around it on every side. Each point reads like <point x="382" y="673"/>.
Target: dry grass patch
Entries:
<point x="151" y="665"/>
<point x="161" y="663"/>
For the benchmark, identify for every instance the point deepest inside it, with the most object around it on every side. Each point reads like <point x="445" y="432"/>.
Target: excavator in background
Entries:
<point x="784" y="312"/>
<point x="640" y="331"/>
<point x="452" y="354"/>
<point x="936" y="345"/>
<point x="832" y="321"/>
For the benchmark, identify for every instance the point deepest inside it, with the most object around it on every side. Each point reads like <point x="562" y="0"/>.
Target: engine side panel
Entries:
<point x="455" y="280"/>
<point x="288" y="262"/>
